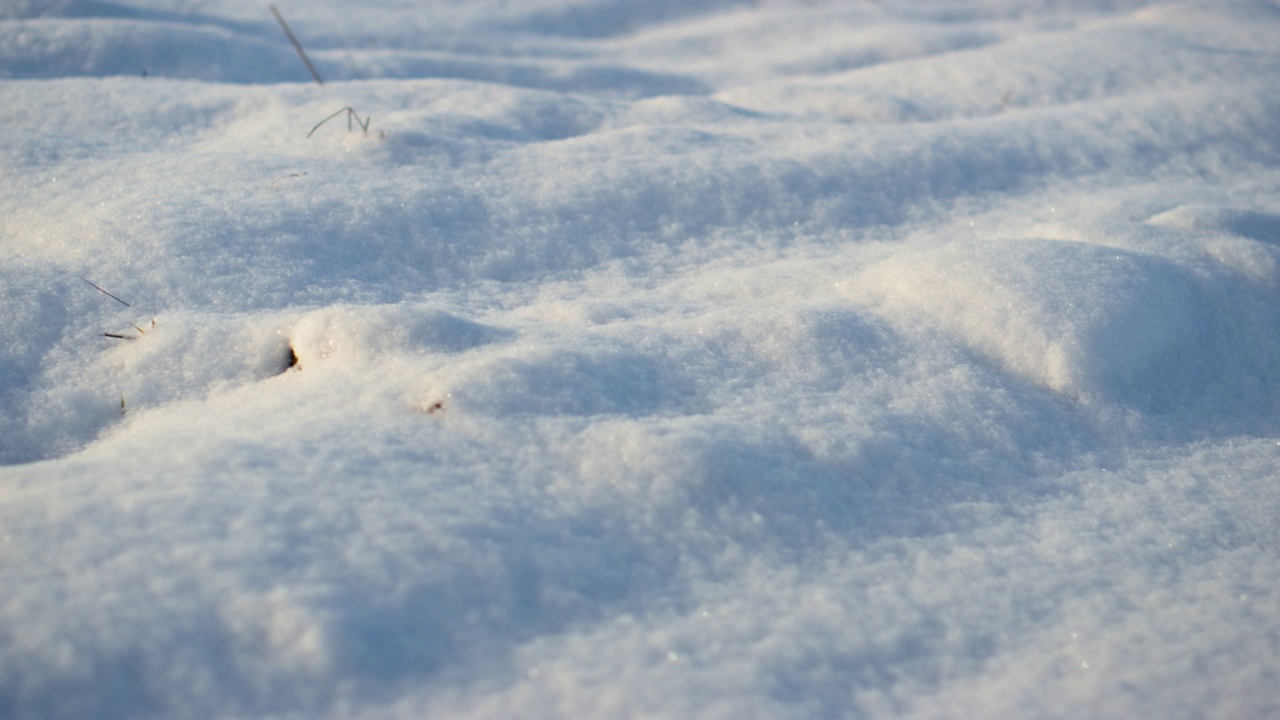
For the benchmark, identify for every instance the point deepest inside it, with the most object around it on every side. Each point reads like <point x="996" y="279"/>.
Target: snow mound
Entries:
<point x="147" y="362"/>
<point x="353" y="335"/>
<point x="45" y="48"/>
<point x="1252" y="224"/>
<point x="58" y="403"/>
<point x="1082" y="320"/>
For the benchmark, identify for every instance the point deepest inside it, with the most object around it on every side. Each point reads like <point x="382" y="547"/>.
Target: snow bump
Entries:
<point x="1082" y="320"/>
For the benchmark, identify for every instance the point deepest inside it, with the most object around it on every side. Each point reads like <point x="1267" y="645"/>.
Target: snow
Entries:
<point x="641" y="359"/>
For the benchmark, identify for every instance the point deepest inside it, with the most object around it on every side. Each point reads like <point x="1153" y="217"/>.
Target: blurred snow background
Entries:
<point x="643" y="359"/>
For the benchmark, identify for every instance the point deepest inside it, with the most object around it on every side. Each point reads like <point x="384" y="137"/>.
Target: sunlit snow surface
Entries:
<point x="653" y="359"/>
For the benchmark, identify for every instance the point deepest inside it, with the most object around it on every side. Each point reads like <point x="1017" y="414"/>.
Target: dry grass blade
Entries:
<point x="352" y="116"/>
<point x="296" y="45"/>
<point x="104" y="292"/>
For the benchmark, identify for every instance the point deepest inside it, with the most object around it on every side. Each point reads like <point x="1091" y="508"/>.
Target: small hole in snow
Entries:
<point x="292" y="360"/>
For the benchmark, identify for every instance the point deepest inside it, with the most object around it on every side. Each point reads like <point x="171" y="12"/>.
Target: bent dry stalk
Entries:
<point x="351" y="115"/>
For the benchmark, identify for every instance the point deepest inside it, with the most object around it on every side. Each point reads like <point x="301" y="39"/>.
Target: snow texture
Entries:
<point x="713" y="358"/>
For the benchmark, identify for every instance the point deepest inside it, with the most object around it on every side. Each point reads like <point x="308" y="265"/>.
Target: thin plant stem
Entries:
<point x="104" y="292"/>
<point x="296" y="45"/>
<point x="352" y="116"/>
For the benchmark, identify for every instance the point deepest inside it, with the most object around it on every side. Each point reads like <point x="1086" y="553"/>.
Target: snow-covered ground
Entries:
<point x="666" y="358"/>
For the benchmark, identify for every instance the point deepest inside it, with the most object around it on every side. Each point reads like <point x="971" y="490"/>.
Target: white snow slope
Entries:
<point x="663" y="359"/>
